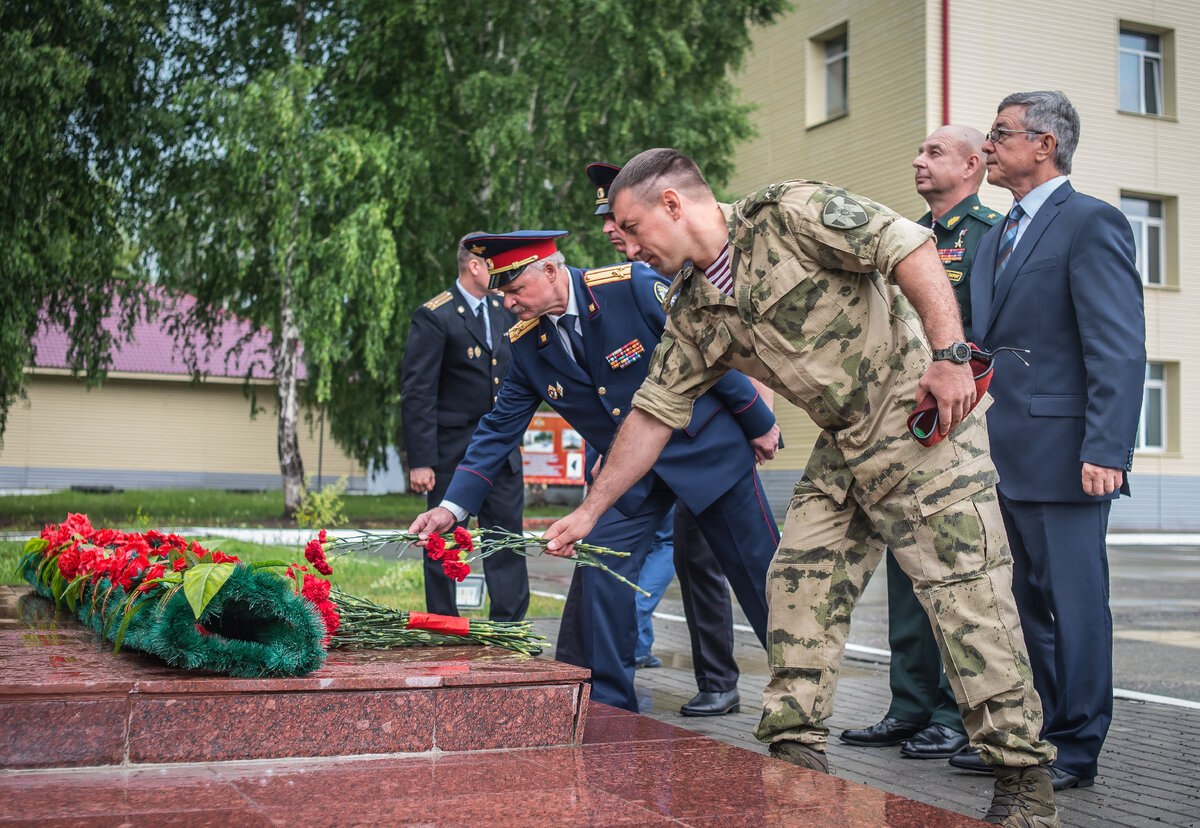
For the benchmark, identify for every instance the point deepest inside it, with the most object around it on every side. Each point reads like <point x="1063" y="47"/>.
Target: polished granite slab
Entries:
<point x="67" y="701"/>
<point x="628" y="770"/>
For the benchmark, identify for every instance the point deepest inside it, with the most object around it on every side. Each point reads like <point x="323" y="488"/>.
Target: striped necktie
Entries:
<point x="1009" y="239"/>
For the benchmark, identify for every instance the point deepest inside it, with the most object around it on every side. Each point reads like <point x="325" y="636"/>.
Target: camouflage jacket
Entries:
<point x="813" y="315"/>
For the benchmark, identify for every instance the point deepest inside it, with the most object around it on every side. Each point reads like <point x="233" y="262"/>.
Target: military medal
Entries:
<point x="951" y="255"/>
<point x="554" y="391"/>
<point x="626" y="355"/>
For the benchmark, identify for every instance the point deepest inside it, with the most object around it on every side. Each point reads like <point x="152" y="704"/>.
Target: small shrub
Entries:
<point x="323" y="509"/>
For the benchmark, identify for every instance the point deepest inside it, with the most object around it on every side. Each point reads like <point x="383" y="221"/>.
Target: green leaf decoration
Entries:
<point x="36" y="546"/>
<point x="202" y="582"/>
<point x="58" y="585"/>
<point x="71" y="595"/>
<point x="130" y="611"/>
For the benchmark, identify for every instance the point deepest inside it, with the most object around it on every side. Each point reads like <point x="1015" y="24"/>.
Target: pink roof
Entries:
<point x="154" y="350"/>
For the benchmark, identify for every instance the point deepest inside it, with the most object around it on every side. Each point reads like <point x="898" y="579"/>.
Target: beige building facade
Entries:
<point x="846" y="90"/>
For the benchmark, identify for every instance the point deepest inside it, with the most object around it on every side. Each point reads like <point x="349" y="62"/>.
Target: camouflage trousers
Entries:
<point x="942" y="521"/>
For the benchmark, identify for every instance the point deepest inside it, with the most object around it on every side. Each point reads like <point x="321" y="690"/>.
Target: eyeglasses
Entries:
<point x="996" y="133"/>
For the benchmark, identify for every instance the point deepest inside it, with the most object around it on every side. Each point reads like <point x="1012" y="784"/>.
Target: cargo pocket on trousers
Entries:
<point x="980" y="644"/>
<point x="795" y="639"/>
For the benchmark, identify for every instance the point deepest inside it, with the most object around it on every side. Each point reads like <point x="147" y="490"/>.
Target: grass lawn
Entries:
<point x="155" y="508"/>
<point x="395" y="583"/>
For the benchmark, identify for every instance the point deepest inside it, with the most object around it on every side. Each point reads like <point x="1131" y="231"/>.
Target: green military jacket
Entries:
<point x="957" y="234"/>
<point x="814" y="315"/>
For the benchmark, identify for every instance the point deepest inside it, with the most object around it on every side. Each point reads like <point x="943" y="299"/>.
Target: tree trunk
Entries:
<point x="287" y="355"/>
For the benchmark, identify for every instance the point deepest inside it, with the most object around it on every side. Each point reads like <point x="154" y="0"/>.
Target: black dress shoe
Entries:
<point x="969" y="760"/>
<point x="707" y="703"/>
<point x="888" y="732"/>
<point x="1061" y="779"/>
<point x="648" y="660"/>
<point x="934" y="741"/>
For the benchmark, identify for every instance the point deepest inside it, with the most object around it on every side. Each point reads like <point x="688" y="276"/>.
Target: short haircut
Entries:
<point x="660" y="167"/>
<point x="464" y="255"/>
<point x="1052" y="113"/>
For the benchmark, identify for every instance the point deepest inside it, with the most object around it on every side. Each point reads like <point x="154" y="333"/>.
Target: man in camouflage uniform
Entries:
<point x="828" y="297"/>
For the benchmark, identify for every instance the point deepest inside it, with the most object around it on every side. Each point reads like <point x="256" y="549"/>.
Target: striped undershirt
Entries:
<point x="720" y="274"/>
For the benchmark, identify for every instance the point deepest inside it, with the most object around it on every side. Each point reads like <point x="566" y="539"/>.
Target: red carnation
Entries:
<point x="435" y="546"/>
<point x="456" y="570"/>
<point x="463" y="538"/>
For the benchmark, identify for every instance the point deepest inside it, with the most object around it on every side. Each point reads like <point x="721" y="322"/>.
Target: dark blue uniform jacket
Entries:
<point x="620" y="310"/>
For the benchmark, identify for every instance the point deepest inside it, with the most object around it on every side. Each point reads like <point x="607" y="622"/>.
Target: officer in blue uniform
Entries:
<point x="702" y="585"/>
<point x="583" y="346"/>
<point x="456" y="356"/>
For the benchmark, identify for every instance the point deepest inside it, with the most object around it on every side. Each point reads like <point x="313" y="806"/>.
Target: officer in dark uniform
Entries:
<point x="583" y="346"/>
<point x="923" y="716"/>
<point x="703" y="588"/>
<point x="454" y="361"/>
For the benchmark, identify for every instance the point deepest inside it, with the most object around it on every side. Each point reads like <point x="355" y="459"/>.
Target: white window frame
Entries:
<point x="842" y="57"/>
<point x="1157" y="386"/>
<point x="1144" y="58"/>
<point x="1141" y="226"/>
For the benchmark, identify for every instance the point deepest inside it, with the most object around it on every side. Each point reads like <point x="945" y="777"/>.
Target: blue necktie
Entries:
<point x="567" y="323"/>
<point x="1009" y="240"/>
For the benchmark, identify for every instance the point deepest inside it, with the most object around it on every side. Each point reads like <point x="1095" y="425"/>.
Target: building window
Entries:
<point x="828" y="75"/>
<point x="1149" y="236"/>
<point x="1152" y="430"/>
<point x="1144" y="60"/>
<point x="837" y="64"/>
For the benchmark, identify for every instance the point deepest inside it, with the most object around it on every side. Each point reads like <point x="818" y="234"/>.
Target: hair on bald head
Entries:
<point x="657" y="169"/>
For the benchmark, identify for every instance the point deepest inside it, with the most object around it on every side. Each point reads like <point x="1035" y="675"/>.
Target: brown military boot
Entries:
<point x="800" y="754"/>
<point x="1024" y="798"/>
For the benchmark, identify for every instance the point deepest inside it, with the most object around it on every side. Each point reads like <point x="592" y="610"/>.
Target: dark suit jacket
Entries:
<point x="1072" y="295"/>
<point x="450" y="379"/>
<point x="620" y="310"/>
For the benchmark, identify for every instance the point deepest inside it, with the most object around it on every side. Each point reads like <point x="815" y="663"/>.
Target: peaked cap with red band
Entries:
<point x="602" y="175"/>
<point x="507" y="254"/>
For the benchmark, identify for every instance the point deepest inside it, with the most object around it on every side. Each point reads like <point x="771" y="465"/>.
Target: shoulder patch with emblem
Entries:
<point x="605" y="275"/>
<point x="843" y="213"/>
<point x="660" y="292"/>
<point x="521" y="328"/>
<point x="439" y="300"/>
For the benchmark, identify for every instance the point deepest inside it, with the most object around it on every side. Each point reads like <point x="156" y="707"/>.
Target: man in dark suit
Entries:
<point x="923" y="716"/>
<point x="1058" y="277"/>
<point x="583" y="346"/>
<point x="454" y="361"/>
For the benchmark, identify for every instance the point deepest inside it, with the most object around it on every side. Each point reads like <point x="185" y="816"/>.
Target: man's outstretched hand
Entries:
<point x="438" y="519"/>
<point x="563" y="533"/>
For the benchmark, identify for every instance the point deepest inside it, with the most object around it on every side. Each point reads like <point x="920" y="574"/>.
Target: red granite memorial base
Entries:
<point x="629" y="770"/>
<point x="67" y="701"/>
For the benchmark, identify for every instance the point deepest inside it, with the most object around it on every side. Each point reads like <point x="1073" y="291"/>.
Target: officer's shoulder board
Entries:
<point x="521" y="328"/>
<point x="769" y="195"/>
<point x="605" y="275"/>
<point x="986" y="214"/>
<point x="439" y="300"/>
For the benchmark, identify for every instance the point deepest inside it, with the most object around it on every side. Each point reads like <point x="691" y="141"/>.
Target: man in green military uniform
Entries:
<point x="828" y="298"/>
<point x="923" y="716"/>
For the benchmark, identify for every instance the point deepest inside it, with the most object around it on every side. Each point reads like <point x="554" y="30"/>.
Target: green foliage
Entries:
<point x="322" y="509"/>
<point x="76" y="81"/>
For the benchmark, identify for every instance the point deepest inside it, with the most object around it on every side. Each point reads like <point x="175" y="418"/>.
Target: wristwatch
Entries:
<point x="958" y="352"/>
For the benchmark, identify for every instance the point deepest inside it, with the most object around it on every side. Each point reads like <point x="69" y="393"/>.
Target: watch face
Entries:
<point x="960" y="352"/>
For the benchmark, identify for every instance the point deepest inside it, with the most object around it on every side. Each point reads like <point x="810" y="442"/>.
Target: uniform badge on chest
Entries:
<point x="626" y="355"/>
<point x="554" y="391"/>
